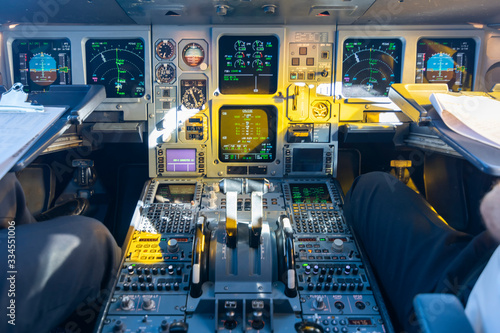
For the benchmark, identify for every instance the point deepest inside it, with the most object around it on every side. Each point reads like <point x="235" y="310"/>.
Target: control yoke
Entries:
<point x="231" y="188"/>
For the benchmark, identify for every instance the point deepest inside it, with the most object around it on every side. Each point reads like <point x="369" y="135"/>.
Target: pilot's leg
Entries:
<point x="12" y="202"/>
<point x="411" y="248"/>
<point x="56" y="266"/>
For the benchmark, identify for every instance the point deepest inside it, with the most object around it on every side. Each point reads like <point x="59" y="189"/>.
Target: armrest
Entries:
<point x="441" y="313"/>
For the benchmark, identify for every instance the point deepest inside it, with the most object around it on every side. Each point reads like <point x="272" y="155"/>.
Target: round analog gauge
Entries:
<point x="165" y="73"/>
<point x="193" y="54"/>
<point x="165" y="49"/>
<point x="320" y="110"/>
<point x="193" y="98"/>
<point x="239" y="45"/>
<point x="370" y="66"/>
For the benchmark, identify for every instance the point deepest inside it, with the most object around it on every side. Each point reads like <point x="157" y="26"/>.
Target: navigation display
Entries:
<point x="181" y="160"/>
<point x="310" y="193"/>
<point x="446" y="60"/>
<point x="118" y="65"/>
<point x="248" y="64"/>
<point x="247" y="133"/>
<point x="40" y="63"/>
<point x="370" y="66"/>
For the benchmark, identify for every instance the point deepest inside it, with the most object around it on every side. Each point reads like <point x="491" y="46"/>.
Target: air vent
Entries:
<point x="172" y="13"/>
<point x="325" y="13"/>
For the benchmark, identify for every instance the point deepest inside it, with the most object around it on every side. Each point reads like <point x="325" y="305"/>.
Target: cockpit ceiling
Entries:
<point x="217" y="12"/>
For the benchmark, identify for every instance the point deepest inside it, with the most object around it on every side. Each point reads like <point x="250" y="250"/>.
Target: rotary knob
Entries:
<point x="338" y="245"/>
<point x="147" y="303"/>
<point x="127" y="304"/>
<point x="172" y="245"/>
<point x="319" y="303"/>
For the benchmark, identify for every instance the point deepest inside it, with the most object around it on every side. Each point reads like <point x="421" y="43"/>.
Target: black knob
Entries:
<point x="164" y="325"/>
<point x="142" y="286"/>
<point x="151" y="286"/>
<point x="355" y="271"/>
<point x="360" y="286"/>
<point x="338" y="271"/>
<point x="168" y="286"/>
<point x="319" y="286"/>
<point x="230" y="322"/>
<point x="310" y="286"/>
<point x="178" y="327"/>
<point x="329" y="278"/>
<point x="126" y="286"/>
<point x="352" y="286"/>
<point x="176" y="286"/>
<point x="343" y="286"/>
<point x="159" y="286"/>
<point x="330" y="271"/>
<point x="141" y="278"/>
<point x="327" y="287"/>
<point x="147" y="271"/>
<point x="308" y="269"/>
<point x="323" y="270"/>
<point x="163" y="271"/>
<point x="257" y="322"/>
<point x="321" y="278"/>
<point x="149" y="278"/>
<point x="155" y="270"/>
<point x="335" y="286"/>
<point x="324" y="73"/>
<point x="339" y="305"/>
<point x="134" y="286"/>
<point x="119" y="326"/>
<point x="138" y="270"/>
<point x="178" y="270"/>
<point x="315" y="269"/>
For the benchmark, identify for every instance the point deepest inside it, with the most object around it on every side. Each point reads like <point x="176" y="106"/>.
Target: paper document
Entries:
<point x="19" y="131"/>
<point x="476" y="117"/>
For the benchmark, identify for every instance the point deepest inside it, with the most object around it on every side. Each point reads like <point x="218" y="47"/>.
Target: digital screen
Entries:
<point x="118" y="65"/>
<point x="181" y="160"/>
<point x="370" y="66"/>
<point x="248" y="64"/>
<point x="359" y="321"/>
<point x="40" y="63"/>
<point x="247" y="134"/>
<point x="305" y="159"/>
<point x="176" y="193"/>
<point x="310" y="193"/>
<point x="446" y="60"/>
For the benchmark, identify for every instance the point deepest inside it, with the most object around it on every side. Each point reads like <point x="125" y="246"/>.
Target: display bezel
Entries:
<point x="30" y="86"/>
<point x="470" y="75"/>
<point x="271" y="113"/>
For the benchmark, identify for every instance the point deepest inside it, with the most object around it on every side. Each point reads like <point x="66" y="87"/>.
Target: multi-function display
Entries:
<point x="40" y="63"/>
<point x="118" y="65"/>
<point x="310" y="193"/>
<point x="248" y="64"/>
<point x="175" y="193"/>
<point x="247" y="133"/>
<point x="181" y="160"/>
<point x="446" y="60"/>
<point x="370" y="66"/>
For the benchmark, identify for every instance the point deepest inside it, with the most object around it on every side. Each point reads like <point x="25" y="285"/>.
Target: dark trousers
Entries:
<point x="59" y="266"/>
<point x="411" y="248"/>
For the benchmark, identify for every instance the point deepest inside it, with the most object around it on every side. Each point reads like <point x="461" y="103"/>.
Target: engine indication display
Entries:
<point x="446" y="60"/>
<point x="248" y="64"/>
<point x="247" y="134"/>
<point x="117" y="64"/>
<point x="38" y="64"/>
<point x="370" y="66"/>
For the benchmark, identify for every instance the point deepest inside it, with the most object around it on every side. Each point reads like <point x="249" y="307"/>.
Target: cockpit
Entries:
<point x="217" y="142"/>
